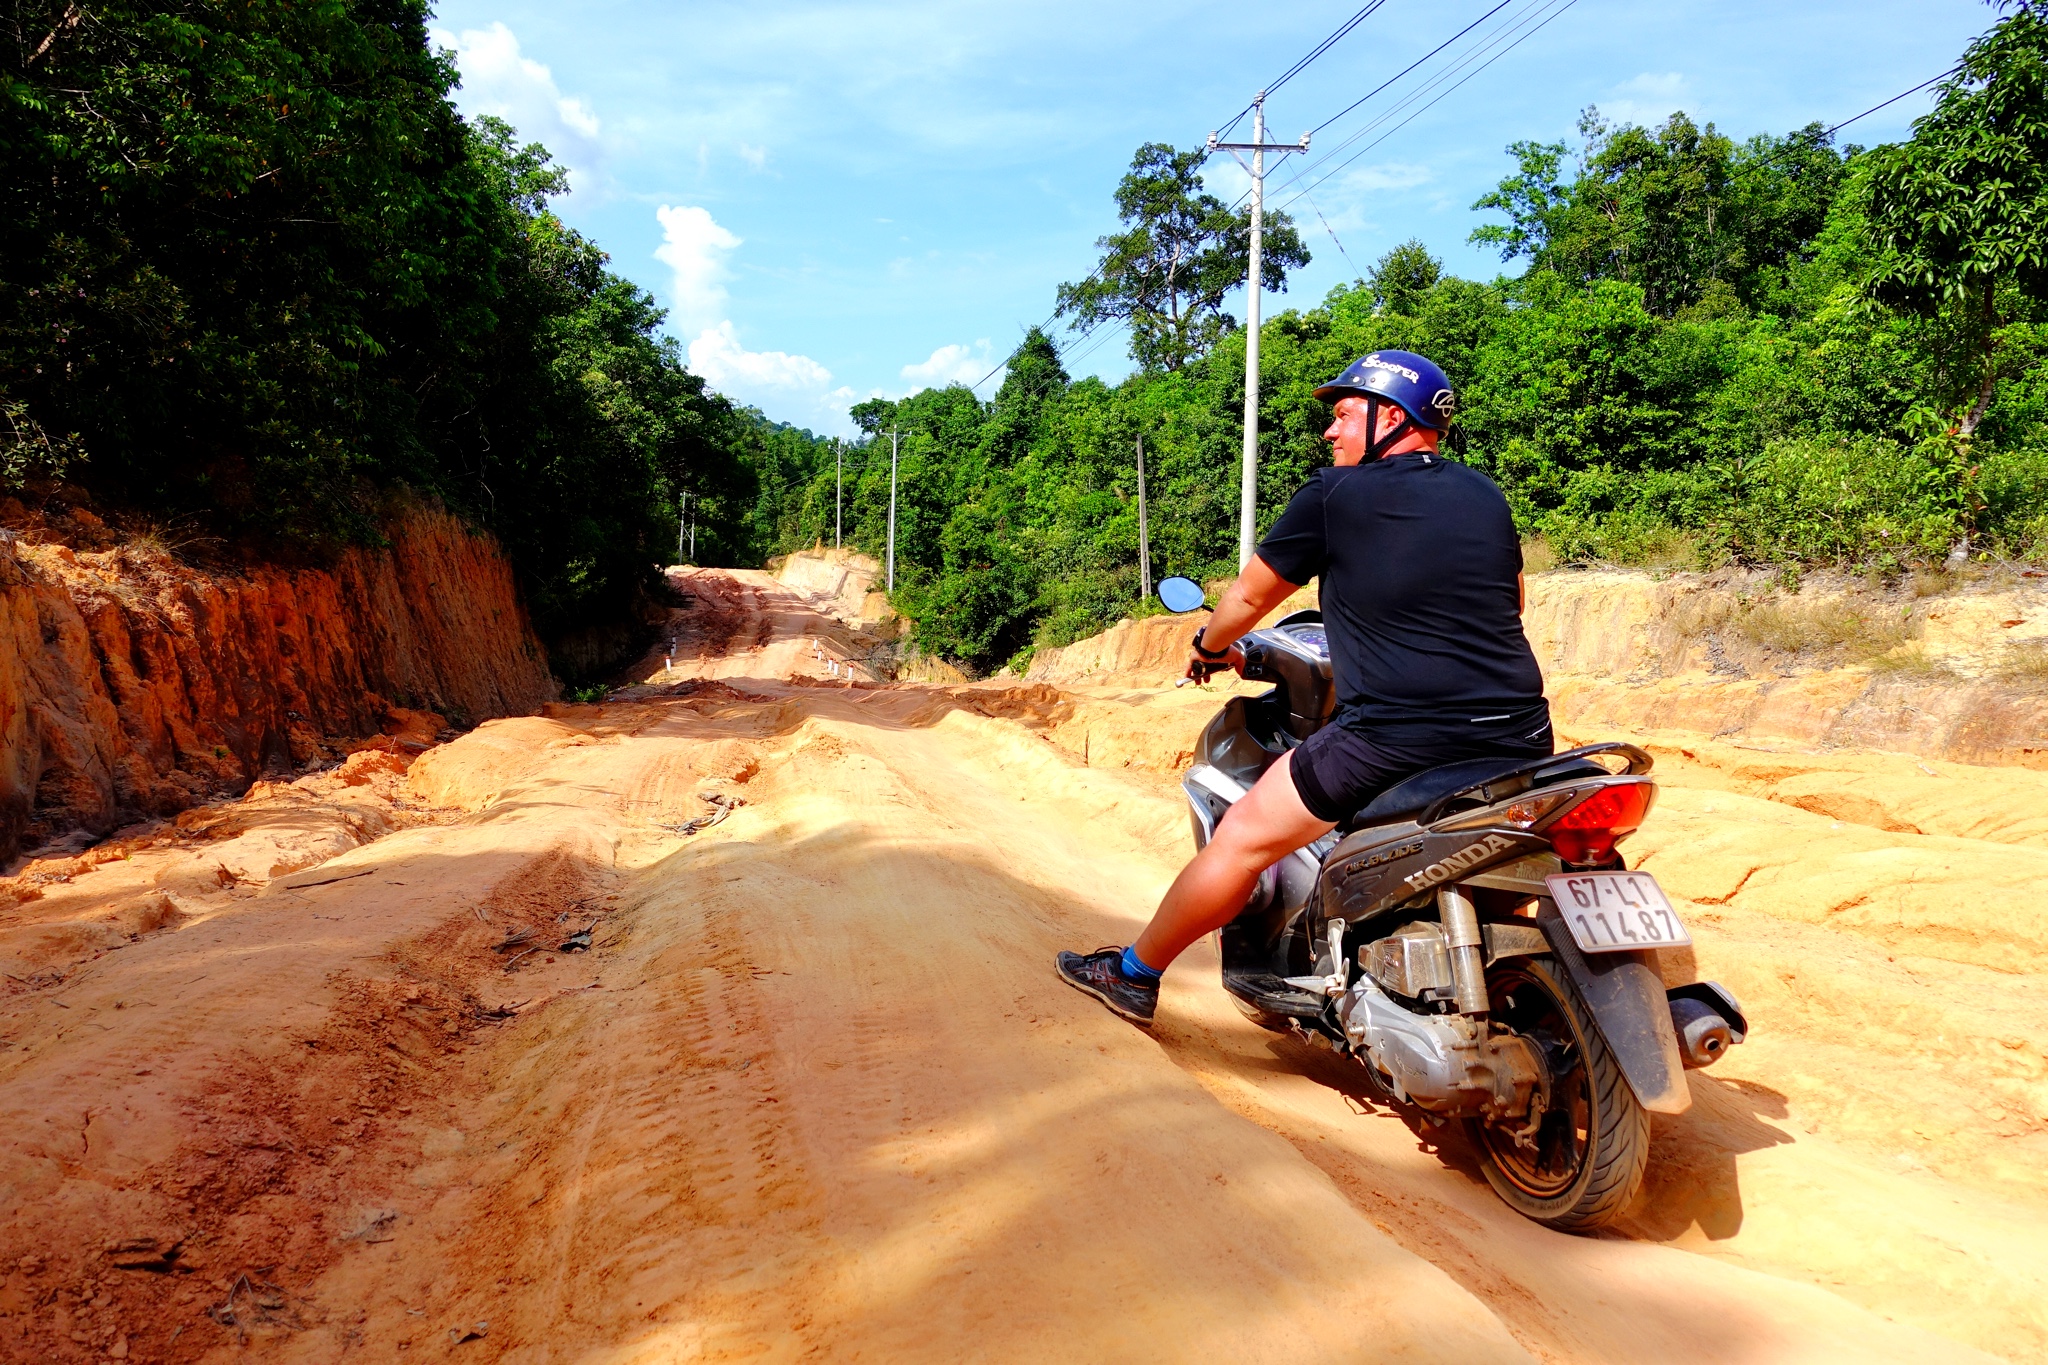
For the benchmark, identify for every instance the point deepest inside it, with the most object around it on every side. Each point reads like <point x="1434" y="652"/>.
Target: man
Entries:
<point x="1422" y="594"/>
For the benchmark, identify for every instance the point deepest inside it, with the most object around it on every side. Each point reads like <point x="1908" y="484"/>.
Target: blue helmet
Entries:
<point x="1410" y="382"/>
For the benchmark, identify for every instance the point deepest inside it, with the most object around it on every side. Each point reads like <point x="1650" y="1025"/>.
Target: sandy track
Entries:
<point x="817" y="1094"/>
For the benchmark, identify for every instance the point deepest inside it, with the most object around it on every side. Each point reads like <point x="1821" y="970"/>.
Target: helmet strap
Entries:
<point x="1376" y="445"/>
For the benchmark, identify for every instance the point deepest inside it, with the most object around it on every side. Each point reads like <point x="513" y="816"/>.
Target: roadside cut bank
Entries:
<point x="133" y="685"/>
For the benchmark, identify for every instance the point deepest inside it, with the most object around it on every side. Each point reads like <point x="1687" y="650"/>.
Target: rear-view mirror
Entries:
<point x="1180" y="594"/>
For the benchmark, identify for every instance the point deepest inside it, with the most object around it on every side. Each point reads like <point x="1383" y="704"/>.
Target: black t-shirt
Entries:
<point x="1418" y="559"/>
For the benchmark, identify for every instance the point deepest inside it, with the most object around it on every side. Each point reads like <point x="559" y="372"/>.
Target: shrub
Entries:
<point x="1862" y="501"/>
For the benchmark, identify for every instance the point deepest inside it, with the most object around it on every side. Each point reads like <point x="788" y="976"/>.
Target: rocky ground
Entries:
<point x="532" y="1050"/>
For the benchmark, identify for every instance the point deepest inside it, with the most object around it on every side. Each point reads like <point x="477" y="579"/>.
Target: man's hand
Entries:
<point x="1255" y="592"/>
<point x="1204" y="664"/>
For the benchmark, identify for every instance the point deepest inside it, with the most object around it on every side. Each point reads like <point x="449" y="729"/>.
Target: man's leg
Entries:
<point x="1270" y="823"/>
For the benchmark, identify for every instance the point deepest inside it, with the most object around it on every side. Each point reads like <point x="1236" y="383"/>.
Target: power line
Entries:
<point x="1794" y="143"/>
<point x="1461" y="62"/>
<point x="1336" y="36"/>
<point x="1530" y="33"/>
<point x="1291" y="72"/>
<point x="1458" y="63"/>
<point x="1073" y="350"/>
<point x="1078" y="354"/>
<point x="1320" y="48"/>
<point x="1333" y="237"/>
<point x="1295" y="173"/>
<point x="1893" y="100"/>
<point x="1064" y="351"/>
<point x="1405" y="70"/>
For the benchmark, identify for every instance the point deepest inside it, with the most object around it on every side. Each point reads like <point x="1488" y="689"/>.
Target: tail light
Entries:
<point x="1586" y="834"/>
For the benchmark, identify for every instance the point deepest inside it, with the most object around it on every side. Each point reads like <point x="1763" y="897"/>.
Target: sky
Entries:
<point x="841" y="200"/>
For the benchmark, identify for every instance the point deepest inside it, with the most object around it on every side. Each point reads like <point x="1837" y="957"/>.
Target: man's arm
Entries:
<point x="1255" y="592"/>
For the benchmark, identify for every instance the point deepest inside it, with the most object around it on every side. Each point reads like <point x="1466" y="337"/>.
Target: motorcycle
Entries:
<point x="1472" y="938"/>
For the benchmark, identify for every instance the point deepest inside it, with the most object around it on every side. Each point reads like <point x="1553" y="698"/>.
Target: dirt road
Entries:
<point x="814" y="1092"/>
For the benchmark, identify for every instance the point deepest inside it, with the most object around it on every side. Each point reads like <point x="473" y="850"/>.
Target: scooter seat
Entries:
<point x="1411" y="796"/>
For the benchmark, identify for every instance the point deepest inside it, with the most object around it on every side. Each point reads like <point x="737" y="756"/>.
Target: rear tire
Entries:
<point x="1593" y="1144"/>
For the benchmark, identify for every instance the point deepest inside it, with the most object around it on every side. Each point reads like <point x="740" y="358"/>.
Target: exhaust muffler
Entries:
<point x="1707" y="1021"/>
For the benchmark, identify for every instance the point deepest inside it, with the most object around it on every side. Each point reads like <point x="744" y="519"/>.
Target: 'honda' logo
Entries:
<point x="1459" y="861"/>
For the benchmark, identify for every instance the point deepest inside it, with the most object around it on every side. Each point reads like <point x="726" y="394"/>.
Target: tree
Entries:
<point x="1679" y="211"/>
<point x="1402" y="276"/>
<point x="1537" y="204"/>
<point x="242" y="248"/>
<point x="1960" y="212"/>
<point x="256" y="269"/>
<point x="1183" y="252"/>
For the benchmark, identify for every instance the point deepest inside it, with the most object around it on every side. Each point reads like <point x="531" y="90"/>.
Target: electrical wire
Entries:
<point x="1333" y="238"/>
<point x="1078" y="349"/>
<point x="1295" y="169"/>
<point x="1405" y="70"/>
<point x="1443" y="95"/>
<point x="1076" y="354"/>
<point x="1458" y="63"/>
<point x="1324" y="46"/>
<point x="1795" y="143"/>
<point x="1064" y="351"/>
<point x="1893" y="100"/>
<point x="1291" y="72"/>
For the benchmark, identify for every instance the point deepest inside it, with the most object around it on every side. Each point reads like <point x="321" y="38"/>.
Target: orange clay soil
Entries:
<point x="814" y="1091"/>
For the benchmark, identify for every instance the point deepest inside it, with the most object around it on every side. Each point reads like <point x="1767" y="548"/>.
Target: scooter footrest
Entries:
<point x="1264" y="991"/>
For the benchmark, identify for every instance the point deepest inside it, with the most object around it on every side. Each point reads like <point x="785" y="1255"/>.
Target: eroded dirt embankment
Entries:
<point x="133" y="685"/>
<point x="1958" y="673"/>
<point x="812" y="1089"/>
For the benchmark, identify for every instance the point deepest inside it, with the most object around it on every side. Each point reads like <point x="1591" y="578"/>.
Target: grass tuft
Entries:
<point x="1837" y="628"/>
<point x="2025" y="662"/>
<point x="1912" y="664"/>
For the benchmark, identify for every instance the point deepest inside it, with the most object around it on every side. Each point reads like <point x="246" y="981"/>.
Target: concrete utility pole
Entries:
<point x="682" y="520"/>
<point x="693" y="535"/>
<point x="1248" y="495"/>
<point x="1144" y="550"/>
<point x="892" y="511"/>
<point x="838" y="486"/>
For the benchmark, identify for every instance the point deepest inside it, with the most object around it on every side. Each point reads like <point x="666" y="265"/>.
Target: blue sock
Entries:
<point x="1134" y="967"/>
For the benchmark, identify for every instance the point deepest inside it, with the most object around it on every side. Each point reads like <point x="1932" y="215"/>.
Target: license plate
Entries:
<point x="1614" y="912"/>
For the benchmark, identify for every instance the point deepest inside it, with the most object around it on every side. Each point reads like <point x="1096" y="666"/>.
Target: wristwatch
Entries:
<point x="1208" y="653"/>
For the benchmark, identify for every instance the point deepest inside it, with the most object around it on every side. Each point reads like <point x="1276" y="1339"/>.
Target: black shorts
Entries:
<point x="1337" y="770"/>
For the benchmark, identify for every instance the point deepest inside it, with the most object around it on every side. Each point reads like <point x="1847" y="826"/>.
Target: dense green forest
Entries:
<point x="258" y="279"/>
<point x="1778" y="351"/>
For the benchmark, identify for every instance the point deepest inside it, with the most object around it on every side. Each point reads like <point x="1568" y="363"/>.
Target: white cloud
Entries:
<point x="757" y="157"/>
<point x="730" y="367"/>
<point x="1647" y="99"/>
<point x="950" y="364"/>
<point x="498" y="80"/>
<point x="789" y="388"/>
<point x="693" y="247"/>
<point x="796" y="387"/>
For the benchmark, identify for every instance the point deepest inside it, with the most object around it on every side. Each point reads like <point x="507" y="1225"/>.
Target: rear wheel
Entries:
<point x="1582" y="1162"/>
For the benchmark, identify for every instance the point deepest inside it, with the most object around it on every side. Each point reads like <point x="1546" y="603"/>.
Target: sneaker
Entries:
<point x="1101" y="974"/>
